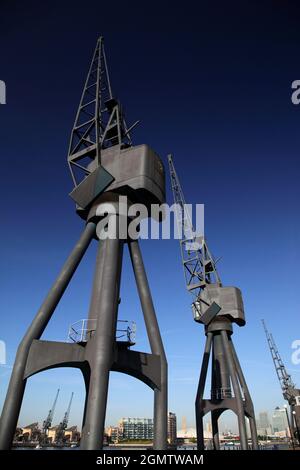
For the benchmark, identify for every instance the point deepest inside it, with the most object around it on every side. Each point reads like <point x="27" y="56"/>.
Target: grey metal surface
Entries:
<point x="17" y="382"/>
<point x="205" y="316"/>
<point x="236" y="389"/>
<point x="91" y="187"/>
<point x="137" y="172"/>
<point x="45" y="355"/>
<point x="156" y="344"/>
<point x="249" y="409"/>
<point x="220" y="378"/>
<point x="104" y="307"/>
<point x="200" y="391"/>
<point x="229" y="300"/>
<point x="229" y="390"/>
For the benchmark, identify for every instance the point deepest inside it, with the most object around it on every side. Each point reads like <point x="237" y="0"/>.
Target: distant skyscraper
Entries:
<point x="263" y="420"/>
<point x="172" y="428"/>
<point x="279" y="420"/>
<point x="264" y="427"/>
<point x="136" y="428"/>
<point x="208" y="427"/>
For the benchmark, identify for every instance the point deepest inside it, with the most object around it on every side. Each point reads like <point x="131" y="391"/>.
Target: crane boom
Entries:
<point x="288" y="388"/>
<point x="64" y="423"/>
<point x="198" y="263"/>
<point x="67" y="414"/>
<point x="99" y="121"/>
<point x="48" y="421"/>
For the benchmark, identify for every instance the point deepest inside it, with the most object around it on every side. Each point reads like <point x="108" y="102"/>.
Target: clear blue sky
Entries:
<point x="215" y="91"/>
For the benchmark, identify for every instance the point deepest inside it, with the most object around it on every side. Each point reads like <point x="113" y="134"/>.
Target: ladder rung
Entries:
<point x="84" y="124"/>
<point x="86" y="104"/>
<point x="93" y="84"/>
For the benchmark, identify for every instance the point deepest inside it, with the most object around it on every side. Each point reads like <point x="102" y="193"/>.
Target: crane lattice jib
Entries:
<point x="99" y="121"/>
<point x="287" y="386"/>
<point x="48" y="421"/>
<point x="198" y="263"/>
<point x="60" y="432"/>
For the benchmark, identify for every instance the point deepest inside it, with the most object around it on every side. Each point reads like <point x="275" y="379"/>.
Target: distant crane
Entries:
<point x="60" y="433"/>
<point x="48" y="421"/>
<point x="217" y="308"/>
<point x="289" y="391"/>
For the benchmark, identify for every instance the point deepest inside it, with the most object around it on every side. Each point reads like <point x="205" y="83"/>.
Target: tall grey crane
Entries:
<point x="48" y="421"/>
<point x="289" y="390"/>
<point x="60" y="433"/>
<point x="106" y="168"/>
<point x="217" y="308"/>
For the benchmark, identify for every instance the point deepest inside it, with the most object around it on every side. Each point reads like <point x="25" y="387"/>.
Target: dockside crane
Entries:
<point x="48" y="421"/>
<point x="105" y="168"/>
<point x="289" y="390"/>
<point x="60" y="433"/>
<point x="217" y="308"/>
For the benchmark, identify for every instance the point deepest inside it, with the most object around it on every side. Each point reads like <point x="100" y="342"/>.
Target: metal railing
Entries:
<point x="221" y="393"/>
<point x="82" y="330"/>
<point x="127" y="333"/>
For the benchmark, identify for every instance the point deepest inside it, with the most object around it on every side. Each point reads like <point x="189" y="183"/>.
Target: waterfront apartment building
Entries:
<point x="31" y="432"/>
<point x="136" y="428"/>
<point x="72" y="434"/>
<point x="113" y="433"/>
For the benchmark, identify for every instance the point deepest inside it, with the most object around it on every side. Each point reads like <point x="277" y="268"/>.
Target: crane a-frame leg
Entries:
<point x="229" y="390"/>
<point x="98" y="355"/>
<point x="14" y="396"/>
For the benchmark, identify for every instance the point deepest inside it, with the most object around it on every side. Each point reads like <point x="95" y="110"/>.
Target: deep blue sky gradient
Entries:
<point x="213" y="87"/>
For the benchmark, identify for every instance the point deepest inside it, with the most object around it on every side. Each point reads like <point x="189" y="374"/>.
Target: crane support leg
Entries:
<point x="237" y="391"/>
<point x="156" y="344"/>
<point x="14" y="397"/>
<point x="104" y="306"/>
<point x="229" y="390"/>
